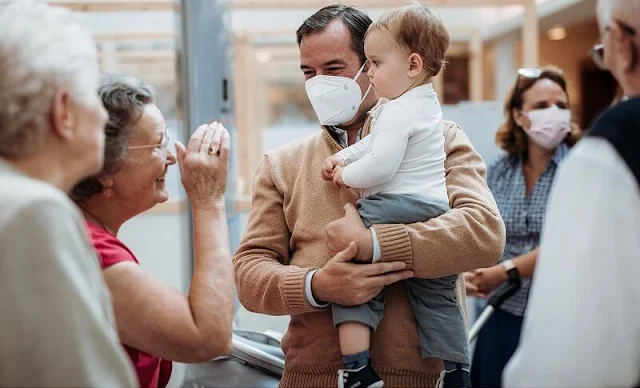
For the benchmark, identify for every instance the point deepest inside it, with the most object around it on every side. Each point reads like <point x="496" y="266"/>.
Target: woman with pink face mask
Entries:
<point x="536" y="137"/>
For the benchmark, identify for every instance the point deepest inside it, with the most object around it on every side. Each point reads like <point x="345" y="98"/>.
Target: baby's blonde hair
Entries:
<point x="419" y="29"/>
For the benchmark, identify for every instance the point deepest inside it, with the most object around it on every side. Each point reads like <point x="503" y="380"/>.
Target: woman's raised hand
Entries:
<point x="204" y="164"/>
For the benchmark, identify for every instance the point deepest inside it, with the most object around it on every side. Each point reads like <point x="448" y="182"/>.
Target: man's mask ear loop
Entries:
<point x="364" y="69"/>
<point x="366" y="93"/>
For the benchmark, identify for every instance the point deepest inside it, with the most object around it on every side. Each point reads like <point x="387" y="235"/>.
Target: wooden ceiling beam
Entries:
<point x="116" y="5"/>
<point x="165" y="36"/>
<point x="305" y="4"/>
<point x="292" y="52"/>
<point x="142" y="55"/>
<point x="170" y="5"/>
<point x="458" y="34"/>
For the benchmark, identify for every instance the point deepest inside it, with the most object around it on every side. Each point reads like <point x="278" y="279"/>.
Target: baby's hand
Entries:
<point x="329" y="165"/>
<point x="337" y="177"/>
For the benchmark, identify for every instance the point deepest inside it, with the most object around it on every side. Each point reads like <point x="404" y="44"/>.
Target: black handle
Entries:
<point x="225" y="89"/>
<point x="505" y="293"/>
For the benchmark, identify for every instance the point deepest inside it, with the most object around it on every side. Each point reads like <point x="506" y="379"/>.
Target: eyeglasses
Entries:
<point x="163" y="147"/>
<point x="597" y="51"/>
<point x="597" y="55"/>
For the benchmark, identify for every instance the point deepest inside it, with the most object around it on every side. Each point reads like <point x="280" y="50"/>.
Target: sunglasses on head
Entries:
<point x="597" y="51"/>
<point x="533" y="73"/>
<point x="530" y="72"/>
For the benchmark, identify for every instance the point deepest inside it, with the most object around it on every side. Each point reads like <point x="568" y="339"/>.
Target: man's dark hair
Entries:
<point x="354" y="19"/>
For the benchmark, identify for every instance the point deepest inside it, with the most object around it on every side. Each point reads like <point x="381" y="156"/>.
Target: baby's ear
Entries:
<point x="415" y="65"/>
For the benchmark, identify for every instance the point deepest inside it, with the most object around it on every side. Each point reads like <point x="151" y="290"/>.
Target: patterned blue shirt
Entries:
<point x="523" y="215"/>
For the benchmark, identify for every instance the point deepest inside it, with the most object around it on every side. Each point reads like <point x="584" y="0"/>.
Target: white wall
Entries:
<point x="505" y="70"/>
<point x="160" y="243"/>
<point x="479" y="120"/>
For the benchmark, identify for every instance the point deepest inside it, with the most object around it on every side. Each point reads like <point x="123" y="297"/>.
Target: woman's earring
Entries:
<point x="107" y="193"/>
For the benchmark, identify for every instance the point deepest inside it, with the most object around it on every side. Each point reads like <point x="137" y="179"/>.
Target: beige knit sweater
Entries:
<point x="284" y="241"/>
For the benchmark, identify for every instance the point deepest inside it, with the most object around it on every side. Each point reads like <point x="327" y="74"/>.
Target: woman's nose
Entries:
<point x="171" y="158"/>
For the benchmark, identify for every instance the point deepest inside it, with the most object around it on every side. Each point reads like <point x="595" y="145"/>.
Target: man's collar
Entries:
<point x="334" y="130"/>
<point x="340" y="135"/>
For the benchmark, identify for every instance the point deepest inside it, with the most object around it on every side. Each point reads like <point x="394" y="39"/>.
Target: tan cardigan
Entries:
<point x="284" y="241"/>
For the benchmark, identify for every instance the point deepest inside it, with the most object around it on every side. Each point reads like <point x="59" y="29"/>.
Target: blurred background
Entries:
<point x="236" y="61"/>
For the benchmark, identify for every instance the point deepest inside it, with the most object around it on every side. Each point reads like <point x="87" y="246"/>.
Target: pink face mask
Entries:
<point x="549" y="126"/>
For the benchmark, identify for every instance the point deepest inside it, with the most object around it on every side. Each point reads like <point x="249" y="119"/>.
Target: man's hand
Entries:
<point x="481" y="282"/>
<point x="349" y="284"/>
<point x="338" y="234"/>
<point x="329" y="165"/>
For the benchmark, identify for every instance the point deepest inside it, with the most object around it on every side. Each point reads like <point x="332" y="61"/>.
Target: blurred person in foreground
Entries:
<point x="583" y="325"/>
<point x="56" y="319"/>
<point x="159" y="324"/>
<point x="536" y="137"/>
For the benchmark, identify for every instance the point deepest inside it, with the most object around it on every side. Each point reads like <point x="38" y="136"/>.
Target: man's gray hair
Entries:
<point x="42" y="50"/>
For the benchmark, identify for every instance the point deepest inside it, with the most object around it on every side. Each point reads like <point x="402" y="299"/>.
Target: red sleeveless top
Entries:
<point x="152" y="371"/>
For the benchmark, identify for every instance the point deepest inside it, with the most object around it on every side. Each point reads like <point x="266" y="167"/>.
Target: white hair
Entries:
<point x="42" y="50"/>
<point x="630" y="9"/>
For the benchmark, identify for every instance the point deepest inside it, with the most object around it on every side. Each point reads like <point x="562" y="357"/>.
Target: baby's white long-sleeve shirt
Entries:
<point x="404" y="152"/>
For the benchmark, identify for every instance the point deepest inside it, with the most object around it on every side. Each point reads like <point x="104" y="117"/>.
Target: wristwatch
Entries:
<point x="512" y="270"/>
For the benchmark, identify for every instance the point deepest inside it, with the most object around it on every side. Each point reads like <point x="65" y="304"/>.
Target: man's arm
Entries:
<point x="471" y="235"/>
<point x="582" y="327"/>
<point x="265" y="281"/>
<point x="56" y="314"/>
<point x="268" y="284"/>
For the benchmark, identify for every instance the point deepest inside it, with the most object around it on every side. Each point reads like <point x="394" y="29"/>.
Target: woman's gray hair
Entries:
<point x="124" y="98"/>
<point x="42" y="50"/>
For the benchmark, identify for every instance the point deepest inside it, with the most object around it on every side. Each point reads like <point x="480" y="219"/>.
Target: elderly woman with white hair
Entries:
<point x="56" y="320"/>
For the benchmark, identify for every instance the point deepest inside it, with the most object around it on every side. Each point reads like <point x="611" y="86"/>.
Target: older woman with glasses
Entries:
<point x="536" y="135"/>
<point x="158" y="324"/>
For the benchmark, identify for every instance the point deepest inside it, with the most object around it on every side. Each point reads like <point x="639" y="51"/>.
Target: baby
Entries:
<point x="399" y="168"/>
